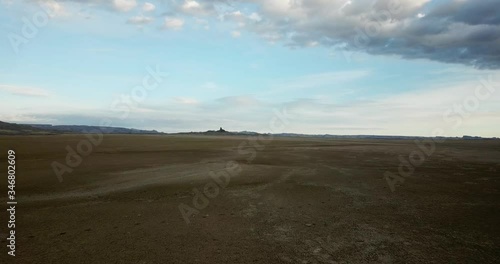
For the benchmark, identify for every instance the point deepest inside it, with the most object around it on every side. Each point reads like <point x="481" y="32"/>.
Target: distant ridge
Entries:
<point x="222" y="132"/>
<point x="47" y="129"/>
<point x="86" y="129"/>
<point x="17" y="129"/>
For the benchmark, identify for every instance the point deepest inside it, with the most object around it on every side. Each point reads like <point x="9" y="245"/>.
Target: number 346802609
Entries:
<point x="12" y="174"/>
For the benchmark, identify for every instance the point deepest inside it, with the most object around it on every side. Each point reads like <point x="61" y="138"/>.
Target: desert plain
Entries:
<point x="167" y="199"/>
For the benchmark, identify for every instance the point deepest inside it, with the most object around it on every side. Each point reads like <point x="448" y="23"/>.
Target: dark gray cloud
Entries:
<point x="469" y="12"/>
<point x="450" y="31"/>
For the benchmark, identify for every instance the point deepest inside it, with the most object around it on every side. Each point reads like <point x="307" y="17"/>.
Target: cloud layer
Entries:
<point x="450" y="31"/>
<point x="23" y="90"/>
<point x="457" y="108"/>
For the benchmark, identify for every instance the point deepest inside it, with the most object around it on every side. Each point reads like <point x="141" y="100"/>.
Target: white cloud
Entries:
<point x="21" y="118"/>
<point x="236" y="13"/>
<point x="190" y="4"/>
<point x="186" y="101"/>
<point x="236" y="16"/>
<point x="148" y="7"/>
<point x="236" y="34"/>
<point x="124" y="5"/>
<point x="54" y="9"/>
<point x="139" y="20"/>
<point x="24" y="90"/>
<point x="255" y="17"/>
<point x="312" y="43"/>
<point x="173" y="23"/>
<point x="196" y="8"/>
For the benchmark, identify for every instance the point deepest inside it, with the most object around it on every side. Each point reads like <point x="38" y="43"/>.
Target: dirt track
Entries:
<point x="287" y="201"/>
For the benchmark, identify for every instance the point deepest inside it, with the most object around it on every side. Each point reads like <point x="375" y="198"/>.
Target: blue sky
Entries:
<point x="233" y="65"/>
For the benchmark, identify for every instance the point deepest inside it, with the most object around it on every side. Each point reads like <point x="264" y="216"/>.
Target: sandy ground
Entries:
<point x="287" y="201"/>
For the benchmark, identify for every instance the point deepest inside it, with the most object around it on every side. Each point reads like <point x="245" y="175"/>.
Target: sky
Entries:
<point x="358" y="67"/>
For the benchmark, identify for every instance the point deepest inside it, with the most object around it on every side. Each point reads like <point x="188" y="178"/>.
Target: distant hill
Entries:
<point x="222" y="132"/>
<point x="17" y="129"/>
<point x="78" y="129"/>
<point x="47" y="129"/>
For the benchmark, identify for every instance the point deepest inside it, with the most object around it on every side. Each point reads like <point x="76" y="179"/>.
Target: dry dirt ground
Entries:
<point x="288" y="200"/>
